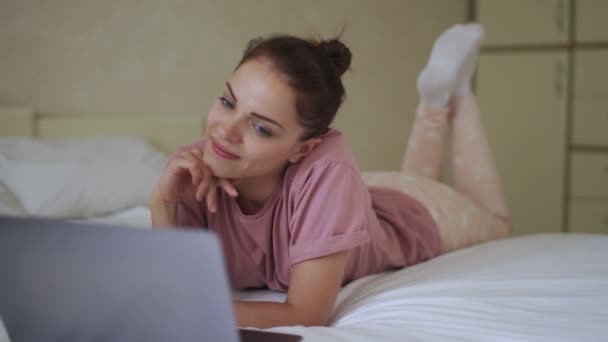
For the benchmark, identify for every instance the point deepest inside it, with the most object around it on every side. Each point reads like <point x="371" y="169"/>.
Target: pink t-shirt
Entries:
<point x="321" y="206"/>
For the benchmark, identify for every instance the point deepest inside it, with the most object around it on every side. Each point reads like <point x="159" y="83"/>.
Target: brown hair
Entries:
<point x="313" y="69"/>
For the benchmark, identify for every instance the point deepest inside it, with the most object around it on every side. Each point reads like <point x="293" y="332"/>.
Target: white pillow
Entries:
<point x="78" y="189"/>
<point x="79" y="177"/>
<point x="9" y="204"/>
<point x="76" y="149"/>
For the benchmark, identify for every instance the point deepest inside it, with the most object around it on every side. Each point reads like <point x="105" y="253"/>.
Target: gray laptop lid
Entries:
<point x="71" y="281"/>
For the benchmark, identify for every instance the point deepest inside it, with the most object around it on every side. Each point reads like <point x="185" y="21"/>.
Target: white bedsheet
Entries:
<point x="548" y="287"/>
<point x="137" y="217"/>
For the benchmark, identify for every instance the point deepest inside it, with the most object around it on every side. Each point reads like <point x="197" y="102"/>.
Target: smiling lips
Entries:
<point x="222" y="152"/>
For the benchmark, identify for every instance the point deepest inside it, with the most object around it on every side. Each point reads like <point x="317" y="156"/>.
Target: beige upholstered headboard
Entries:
<point x="164" y="131"/>
<point x="16" y="122"/>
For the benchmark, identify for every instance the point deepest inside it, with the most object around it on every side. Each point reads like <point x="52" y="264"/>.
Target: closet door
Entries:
<point x="588" y="216"/>
<point x="522" y="98"/>
<point x="590" y="117"/>
<point x="516" y="22"/>
<point x="591" y="18"/>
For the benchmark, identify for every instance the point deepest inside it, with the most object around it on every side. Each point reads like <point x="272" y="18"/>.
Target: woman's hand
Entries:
<point x="187" y="176"/>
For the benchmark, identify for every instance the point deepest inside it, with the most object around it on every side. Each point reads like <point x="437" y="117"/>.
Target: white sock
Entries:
<point x="450" y="56"/>
<point x="463" y="84"/>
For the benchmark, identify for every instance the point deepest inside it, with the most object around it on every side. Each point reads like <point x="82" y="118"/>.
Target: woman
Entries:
<point x="284" y="194"/>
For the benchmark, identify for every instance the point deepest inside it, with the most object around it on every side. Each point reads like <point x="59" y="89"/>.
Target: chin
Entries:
<point x="226" y="175"/>
<point x="222" y="171"/>
<point x="221" y="168"/>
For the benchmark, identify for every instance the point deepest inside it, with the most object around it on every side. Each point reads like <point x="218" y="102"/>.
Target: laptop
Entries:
<point x="82" y="281"/>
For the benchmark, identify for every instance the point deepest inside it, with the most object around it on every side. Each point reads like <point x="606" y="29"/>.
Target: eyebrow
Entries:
<point x="259" y="116"/>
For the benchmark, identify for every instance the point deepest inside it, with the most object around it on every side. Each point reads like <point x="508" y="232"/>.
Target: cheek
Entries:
<point x="269" y="154"/>
<point x="212" y="118"/>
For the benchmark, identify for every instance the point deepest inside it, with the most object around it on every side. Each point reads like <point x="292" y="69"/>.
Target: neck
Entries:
<point x="254" y="193"/>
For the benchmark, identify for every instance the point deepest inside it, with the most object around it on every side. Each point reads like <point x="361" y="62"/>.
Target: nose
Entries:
<point x="231" y="131"/>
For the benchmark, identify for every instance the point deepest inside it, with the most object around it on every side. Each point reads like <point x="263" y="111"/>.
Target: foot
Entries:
<point x="451" y="64"/>
<point x="463" y="84"/>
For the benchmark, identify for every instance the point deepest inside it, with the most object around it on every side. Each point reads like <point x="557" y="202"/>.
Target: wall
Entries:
<point x="90" y="57"/>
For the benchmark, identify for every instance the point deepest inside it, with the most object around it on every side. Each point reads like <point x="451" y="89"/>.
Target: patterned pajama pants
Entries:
<point x="474" y="210"/>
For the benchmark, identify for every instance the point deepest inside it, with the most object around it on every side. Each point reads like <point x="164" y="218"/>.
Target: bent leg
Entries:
<point x="447" y="72"/>
<point x="474" y="170"/>
<point x="424" y="151"/>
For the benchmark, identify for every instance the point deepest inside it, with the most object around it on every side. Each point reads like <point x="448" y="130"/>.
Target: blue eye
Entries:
<point x="226" y="103"/>
<point x="261" y="130"/>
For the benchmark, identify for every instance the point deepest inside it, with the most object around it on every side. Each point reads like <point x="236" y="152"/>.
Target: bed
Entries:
<point x="545" y="287"/>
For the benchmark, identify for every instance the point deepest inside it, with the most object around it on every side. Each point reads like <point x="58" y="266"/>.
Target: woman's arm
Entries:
<point x="314" y="286"/>
<point x="163" y="214"/>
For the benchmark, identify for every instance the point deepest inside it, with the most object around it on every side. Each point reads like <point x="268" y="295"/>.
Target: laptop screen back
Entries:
<point x="80" y="281"/>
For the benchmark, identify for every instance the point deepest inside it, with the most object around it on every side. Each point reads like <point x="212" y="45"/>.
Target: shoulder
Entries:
<point x="333" y="147"/>
<point x="330" y="165"/>
<point x="332" y="151"/>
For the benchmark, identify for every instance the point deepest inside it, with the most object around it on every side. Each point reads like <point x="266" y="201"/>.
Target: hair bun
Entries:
<point x="338" y="54"/>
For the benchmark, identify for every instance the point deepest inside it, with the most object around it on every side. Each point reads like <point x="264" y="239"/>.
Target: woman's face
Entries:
<point x="252" y="129"/>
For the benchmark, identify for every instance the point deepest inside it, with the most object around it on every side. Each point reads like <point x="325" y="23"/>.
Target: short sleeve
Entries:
<point x="329" y="213"/>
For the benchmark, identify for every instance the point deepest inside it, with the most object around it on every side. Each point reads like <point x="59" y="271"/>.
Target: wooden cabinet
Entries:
<point x="589" y="175"/>
<point x="588" y="195"/>
<point x="588" y="209"/>
<point x="522" y="98"/>
<point x="588" y="216"/>
<point x="590" y="115"/>
<point x="509" y="22"/>
<point x="531" y="47"/>
<point x="591" y="19"/>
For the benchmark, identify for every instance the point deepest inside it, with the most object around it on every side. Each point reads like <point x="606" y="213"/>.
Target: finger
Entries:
<point x="212" y="197"/>
<point x="207" y="174"/>
<point x="198" y="158"/>
<point x="198" y="152"/>
<point x="228" y="187"/>
<point x="203" y="188"/>
<point x="187" y="163"/>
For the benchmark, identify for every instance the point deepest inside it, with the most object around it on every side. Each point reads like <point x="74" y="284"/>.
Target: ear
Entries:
<point x="303" y="149"/>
